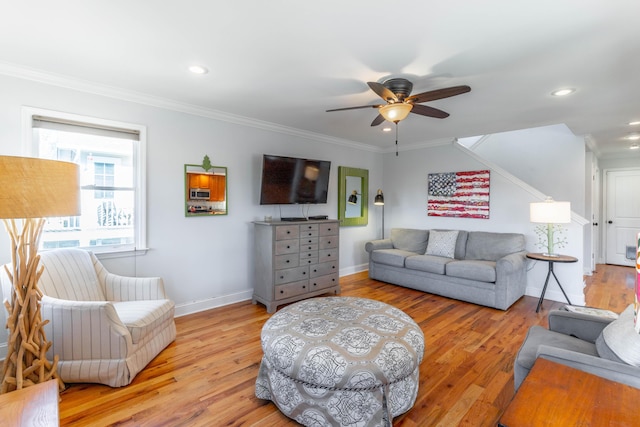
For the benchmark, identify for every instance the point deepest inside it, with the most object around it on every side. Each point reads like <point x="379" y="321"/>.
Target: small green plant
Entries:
<point x="550" y="236"/>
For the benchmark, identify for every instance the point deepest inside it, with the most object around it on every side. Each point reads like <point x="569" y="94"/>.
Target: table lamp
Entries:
<point x="32" y="189"/>
<point x="550" y="213"/>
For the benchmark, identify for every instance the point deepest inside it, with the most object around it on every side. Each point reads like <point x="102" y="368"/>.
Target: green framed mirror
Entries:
<point x="353" y="196"/>
<point x="205" y="189"/>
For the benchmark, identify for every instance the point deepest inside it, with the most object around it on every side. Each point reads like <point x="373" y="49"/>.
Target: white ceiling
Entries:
<point x="285" y="62"/>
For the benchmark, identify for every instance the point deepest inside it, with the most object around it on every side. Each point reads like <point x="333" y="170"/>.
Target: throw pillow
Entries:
<point x="620" y="338"/>
<point x="442" y="243"/>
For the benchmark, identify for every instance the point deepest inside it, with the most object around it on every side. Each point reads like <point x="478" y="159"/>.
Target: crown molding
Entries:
<point x="85" y="86"/>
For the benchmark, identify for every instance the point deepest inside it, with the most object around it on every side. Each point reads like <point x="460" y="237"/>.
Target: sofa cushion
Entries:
<point x="487" y="246"/>
<point x="393" y="257"/>
<point x="428" y="263"/>
<point x="143" y="317"/>
<point x="619" y="340"/>
<point x="408" y="239"/>
<point x="442" y="243"/>
<point x="483" y="271"/>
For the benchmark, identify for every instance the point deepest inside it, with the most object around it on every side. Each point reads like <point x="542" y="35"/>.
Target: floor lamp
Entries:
<point x="379" y="201"/>
<point x="31" y="190"/>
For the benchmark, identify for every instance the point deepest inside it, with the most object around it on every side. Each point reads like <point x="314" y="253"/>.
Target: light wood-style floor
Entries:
<point x="206" y="377"/>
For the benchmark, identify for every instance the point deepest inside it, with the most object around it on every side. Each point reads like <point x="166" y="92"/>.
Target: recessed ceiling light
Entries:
<point x="633" y="136"/>
<point x="198" y="69"/>
<point x="634" y="123"/>
<point x="563" y="92"/>
<point x="387" y="129"/>
<point x="634" y="147"/>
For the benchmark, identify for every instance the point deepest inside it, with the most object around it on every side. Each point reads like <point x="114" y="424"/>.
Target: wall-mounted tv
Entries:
<point x="290" y="180"/>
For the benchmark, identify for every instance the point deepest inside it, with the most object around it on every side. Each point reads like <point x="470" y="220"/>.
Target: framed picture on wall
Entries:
<point x="459" y="194"/>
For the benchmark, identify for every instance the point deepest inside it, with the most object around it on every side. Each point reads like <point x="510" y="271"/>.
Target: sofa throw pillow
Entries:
<point x="442" y="243"/>
<point x="620" y="338"/>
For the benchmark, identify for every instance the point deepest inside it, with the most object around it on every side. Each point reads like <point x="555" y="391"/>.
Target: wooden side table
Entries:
<point x="35" y="406"/>
<point x="551" y="260"/>
<point x="557" y="395"/>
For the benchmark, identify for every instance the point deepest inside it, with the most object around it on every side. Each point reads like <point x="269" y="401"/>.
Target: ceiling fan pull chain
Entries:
<point x="396" y="139"/>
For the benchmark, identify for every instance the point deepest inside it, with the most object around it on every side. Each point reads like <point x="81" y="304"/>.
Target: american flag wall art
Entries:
<point x="459" y="194"/>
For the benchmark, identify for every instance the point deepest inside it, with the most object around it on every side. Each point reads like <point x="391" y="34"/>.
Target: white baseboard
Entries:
<point x="353" y="270"/>
<point x="209" y="303"/>
<point x="556" y="295"/>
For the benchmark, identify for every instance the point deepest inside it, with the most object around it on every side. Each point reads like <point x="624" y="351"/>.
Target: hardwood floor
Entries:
<point x="207" y="376"/>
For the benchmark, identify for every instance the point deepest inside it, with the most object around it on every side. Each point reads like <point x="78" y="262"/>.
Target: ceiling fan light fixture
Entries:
<point x="633" y="136"/>
<point x="634" y="123"/>
<point x="395" y="112"/>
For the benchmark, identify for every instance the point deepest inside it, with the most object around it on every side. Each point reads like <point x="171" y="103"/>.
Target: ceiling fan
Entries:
<point x="399" y="101"/>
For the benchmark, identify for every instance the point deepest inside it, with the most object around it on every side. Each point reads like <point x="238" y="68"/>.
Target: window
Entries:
<point x="111" y="159"/>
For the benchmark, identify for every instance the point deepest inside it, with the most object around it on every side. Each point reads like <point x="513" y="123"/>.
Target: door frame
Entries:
<point x="604" y="214"/>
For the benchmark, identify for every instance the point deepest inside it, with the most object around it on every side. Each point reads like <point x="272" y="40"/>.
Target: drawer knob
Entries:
<point x="288" y="232"/>
<point x="329" y="241"/>
<point x="315" y="284"/>
<point x="304" y="272"/>
<point x="333" y="266"/>
<point x="282" y="277"/>
<point x="288" y="261"/>
<point x="288" y="247"/>
<point x="315" y="271"/>
<point x="304" y="286"/>
<point x="281" y="291"/>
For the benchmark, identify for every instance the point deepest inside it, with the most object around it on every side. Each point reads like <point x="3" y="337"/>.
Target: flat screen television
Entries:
<point x="290" y="180"/>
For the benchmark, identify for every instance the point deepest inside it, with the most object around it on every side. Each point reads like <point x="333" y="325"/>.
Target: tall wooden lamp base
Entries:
<point x="26" y="363"/>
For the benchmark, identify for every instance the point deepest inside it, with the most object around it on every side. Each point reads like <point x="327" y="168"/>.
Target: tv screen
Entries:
<point x="289" y="180"/>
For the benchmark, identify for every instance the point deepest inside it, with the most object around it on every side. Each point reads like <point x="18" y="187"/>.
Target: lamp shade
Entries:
<point x="379" y="199"/>
<point x="395" y="112"/>
<point x="38" y="188"/>
<point x="550" y="212"/>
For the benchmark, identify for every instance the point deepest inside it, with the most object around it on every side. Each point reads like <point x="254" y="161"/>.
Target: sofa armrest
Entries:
<point x="84" y="330"/>
<point x="604" y="368"/>
<point x="121" y="288"/>
<point x="378" y="244"/>
<point x="511" y="278"/>
<point x="587" y="327"/>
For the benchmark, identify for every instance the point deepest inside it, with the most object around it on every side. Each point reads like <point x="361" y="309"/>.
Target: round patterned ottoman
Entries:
<point x="340" y="361"/>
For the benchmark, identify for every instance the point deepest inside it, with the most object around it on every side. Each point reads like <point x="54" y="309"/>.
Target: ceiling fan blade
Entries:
<point x="424" y="110"/>
<point x="432" y="95"/>
<point x="379" y="119"/>
<point x="354" y="108"/>
<point x="382" y="91"/>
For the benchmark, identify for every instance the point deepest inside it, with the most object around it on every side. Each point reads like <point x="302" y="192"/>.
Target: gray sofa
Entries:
<point x="484" y="268"/>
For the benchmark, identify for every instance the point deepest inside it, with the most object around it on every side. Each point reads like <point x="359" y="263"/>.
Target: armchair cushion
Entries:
<point x="142" y="317"/>
<point x="79" y="283"/>
<point x="619" y="341"/>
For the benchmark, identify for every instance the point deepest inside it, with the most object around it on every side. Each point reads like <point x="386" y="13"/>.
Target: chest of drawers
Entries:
<point x="294" y="261"/>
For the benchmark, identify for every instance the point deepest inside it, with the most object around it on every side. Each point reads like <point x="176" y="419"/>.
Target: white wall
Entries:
<point x="204" y="261"/>
<point x="405" y="193"/>
<point x="208" y="261"/>
<point x="549" y="158"/>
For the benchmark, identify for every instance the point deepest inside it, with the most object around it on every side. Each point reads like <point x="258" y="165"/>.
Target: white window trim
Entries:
<point x="28" y="150"/>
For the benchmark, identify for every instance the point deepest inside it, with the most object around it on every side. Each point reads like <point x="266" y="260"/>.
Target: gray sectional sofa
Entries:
<point x="481" y="267"/>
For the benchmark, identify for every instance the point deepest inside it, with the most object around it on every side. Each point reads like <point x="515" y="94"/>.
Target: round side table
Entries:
<point x="551" y="259"/>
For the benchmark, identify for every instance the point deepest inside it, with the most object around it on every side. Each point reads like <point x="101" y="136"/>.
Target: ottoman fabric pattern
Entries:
<point x="340" y="361"/>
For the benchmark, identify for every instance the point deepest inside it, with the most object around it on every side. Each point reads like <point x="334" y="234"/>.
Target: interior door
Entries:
<point x="622" y="215"/>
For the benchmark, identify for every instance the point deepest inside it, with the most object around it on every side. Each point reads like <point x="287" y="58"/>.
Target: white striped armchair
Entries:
<point x="104" y="328"/>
